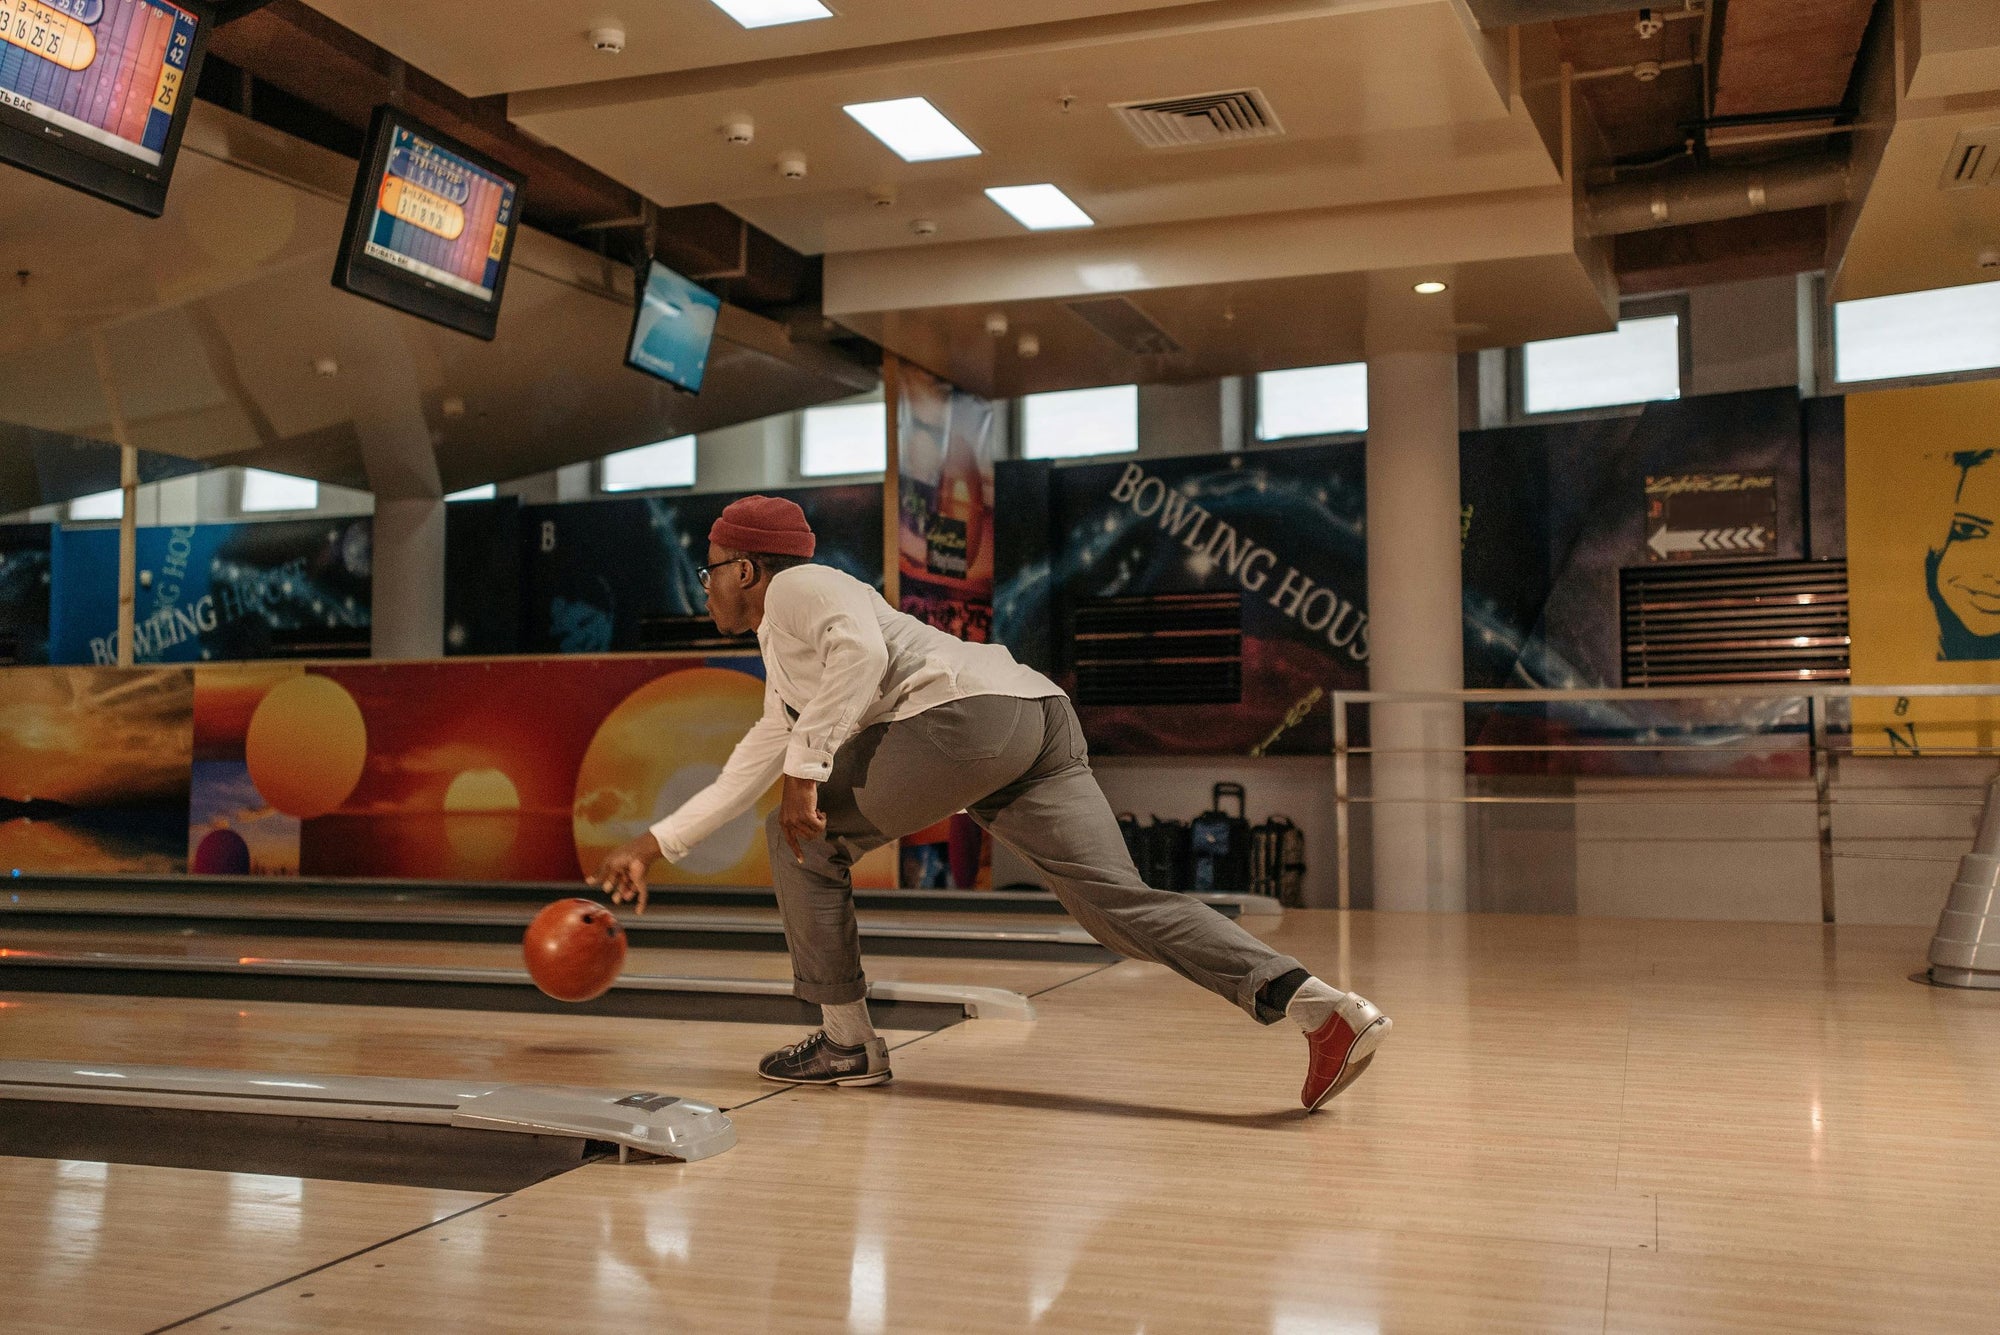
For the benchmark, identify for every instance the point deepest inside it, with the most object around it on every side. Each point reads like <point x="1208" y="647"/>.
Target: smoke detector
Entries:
<point x="1646" y="71"/>
<point x="609" y="39"/>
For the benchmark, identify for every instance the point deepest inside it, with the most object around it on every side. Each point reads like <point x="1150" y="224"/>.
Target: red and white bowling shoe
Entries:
<point x="1341" y="1049"/>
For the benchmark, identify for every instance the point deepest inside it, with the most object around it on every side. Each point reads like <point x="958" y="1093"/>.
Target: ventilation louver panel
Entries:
<point x="1124" y="324"/>
<point x="1974" y="160"/>
<point x="1200" y="120"/>
<point x="1165" y="649"/>
<point x="1722" y="622"/>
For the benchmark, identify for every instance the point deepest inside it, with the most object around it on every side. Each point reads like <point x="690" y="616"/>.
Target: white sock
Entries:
<point x="848" y="1025"/>
<point x="1312" y="1005"/>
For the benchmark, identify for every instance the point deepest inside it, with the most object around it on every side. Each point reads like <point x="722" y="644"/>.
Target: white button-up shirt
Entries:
<point x="837" y="659"/>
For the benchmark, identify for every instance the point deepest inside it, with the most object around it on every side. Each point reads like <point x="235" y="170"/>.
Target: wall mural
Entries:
<point x="945" y="442"/>
<point x="527" y="770"/>
<point x="94" y="768"/>
<point x="26" y="585"/>
<point x="1923" y="498"/>
<point x="1553" y="513"/>
<point x="592" y="572"/>
<point x="208" y="592"/>
<point x="1281" y="528"/>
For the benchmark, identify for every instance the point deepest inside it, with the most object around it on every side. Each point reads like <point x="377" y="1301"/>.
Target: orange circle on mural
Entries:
<point x="306" y="746"/>
<point x="661" y="745"/>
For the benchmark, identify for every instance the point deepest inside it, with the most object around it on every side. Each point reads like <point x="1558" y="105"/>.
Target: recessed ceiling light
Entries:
<point x="1431" y="288"/>
<point x="770" y="13"/>
<point x="1039" y="207"/>
<point x="914" y="129"/>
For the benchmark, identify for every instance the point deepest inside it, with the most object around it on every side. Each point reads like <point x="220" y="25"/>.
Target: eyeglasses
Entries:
<point x="705" y="572"/>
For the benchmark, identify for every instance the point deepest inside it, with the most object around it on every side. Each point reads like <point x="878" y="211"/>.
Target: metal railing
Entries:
<point x="1825" y="733"/>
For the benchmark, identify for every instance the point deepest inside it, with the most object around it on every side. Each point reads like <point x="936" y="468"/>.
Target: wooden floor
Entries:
<point x="1578" y="1125"/>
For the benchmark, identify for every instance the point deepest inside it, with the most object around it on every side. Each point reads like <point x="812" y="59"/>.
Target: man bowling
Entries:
<point x="882" y="725"/>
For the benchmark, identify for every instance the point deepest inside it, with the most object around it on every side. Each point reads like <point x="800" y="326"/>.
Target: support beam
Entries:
<point x="1415" y="609"/>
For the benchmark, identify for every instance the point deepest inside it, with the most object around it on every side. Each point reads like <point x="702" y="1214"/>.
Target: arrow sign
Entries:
<point x="1667" y="542"/>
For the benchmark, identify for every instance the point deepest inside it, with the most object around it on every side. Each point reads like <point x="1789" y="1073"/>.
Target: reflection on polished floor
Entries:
<point x="1580" y="1125"/>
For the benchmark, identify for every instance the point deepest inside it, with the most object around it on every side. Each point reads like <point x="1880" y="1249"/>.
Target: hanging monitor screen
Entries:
<point x="673" y="328"/>
<point x="430" y="227"/>
<point x="95" y="93"/>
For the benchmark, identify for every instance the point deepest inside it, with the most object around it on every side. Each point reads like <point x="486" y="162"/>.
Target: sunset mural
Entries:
<point x="94" y="768"/>
<point x="459" y="770"/>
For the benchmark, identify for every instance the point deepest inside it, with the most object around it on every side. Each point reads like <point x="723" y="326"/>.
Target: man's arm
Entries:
<point x="839" y="619"/>
<point x="752" y="766"/>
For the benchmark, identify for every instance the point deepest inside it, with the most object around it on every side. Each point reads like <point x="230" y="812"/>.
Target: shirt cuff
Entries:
<point x="672" y="849"/>
<point x="803" y="762"/>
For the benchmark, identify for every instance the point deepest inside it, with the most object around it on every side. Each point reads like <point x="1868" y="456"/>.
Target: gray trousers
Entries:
<point x="1019" y="768"/>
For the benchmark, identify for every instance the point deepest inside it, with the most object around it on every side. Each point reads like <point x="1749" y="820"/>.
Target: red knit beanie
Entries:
<point x="763" y="524"/>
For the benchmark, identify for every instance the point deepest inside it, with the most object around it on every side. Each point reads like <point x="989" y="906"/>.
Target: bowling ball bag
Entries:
<point x="1278" y="862"/>
<point x="1220" y="844"/>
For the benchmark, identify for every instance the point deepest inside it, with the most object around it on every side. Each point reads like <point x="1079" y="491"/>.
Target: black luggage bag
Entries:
<point x="1221" y="845"/>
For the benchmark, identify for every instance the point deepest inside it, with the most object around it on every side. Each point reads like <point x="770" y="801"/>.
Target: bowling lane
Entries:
<point x="450" y="907"/>
<point x="716" y="1063"/>
<point x="1024" y="976"/>
<point x="113" y="1247"/>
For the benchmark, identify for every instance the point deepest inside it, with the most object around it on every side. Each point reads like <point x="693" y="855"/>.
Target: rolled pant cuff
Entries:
<point x="1253" y="983"/>
<point x="830" y="994"/>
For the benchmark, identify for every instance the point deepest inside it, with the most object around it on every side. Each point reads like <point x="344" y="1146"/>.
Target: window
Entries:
<point x="1942" y="332"/>
<point x="485" y="493"/>
<point x="843" y="438"/>
<point x="1312" y="401"/>
<point x="665" y="463"/>
<point x="98" y="505"/>
<point x="1638" y="362"/>
<point x="1074" y="422"/>
<point x="264" y="492"/>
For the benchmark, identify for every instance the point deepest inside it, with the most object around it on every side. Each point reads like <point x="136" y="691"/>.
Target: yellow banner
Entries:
<point x="1923" y="562"/>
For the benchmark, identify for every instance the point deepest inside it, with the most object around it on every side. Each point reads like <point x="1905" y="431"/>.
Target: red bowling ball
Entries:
<point x="575" y="949"/>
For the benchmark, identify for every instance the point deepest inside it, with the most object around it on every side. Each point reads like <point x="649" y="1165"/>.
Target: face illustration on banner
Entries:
<point x="1963" y="573"/>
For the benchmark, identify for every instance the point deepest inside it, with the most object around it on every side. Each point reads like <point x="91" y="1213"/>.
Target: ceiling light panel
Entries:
<point x="771" y="13"/>
<point x="1039" y="208"/>
<point x="913" y="129"/>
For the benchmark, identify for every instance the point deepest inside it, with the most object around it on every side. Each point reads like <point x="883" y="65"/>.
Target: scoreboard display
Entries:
<point x="94" y="93"/>
<point x="430" y="226"/>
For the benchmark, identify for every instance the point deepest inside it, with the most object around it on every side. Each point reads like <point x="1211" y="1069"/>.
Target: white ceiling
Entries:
<point x="1384" y="104"/>
<point x="213" y="317"/>
<point x="482" y="47"/>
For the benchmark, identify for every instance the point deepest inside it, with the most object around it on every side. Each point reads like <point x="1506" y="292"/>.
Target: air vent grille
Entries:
<point x="1164" y="649"/>
<point x="1201" y="120"/>
<point x="1126" y="325"/>
<point x="1721" y="622"/>
<point x="1974" y="157"/>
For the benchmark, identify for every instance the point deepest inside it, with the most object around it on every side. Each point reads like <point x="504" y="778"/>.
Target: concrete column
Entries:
<point x="1415" y="613"/>
<point x="408" y="608"/>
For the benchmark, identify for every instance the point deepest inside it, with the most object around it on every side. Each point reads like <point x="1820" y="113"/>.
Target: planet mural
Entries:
<point x="662" y="744"/>
<point x="306" y="745"/>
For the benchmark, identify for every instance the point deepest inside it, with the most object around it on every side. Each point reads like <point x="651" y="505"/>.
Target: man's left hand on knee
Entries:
<point x="799" y="815"/>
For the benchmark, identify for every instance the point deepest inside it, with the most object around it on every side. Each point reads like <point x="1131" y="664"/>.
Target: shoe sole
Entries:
<point x="878" y="1078"/>
<point x="1358" y="1057"/>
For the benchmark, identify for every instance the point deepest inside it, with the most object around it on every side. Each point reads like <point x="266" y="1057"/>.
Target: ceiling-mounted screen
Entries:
<point x="672" y="329"/>
<point x="95" y="93"/>
<point x="430" y="227"/>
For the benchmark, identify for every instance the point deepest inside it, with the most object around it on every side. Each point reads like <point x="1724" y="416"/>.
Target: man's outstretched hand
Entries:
<point x="799" y="815"/>
<point x="622" y="874"/>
